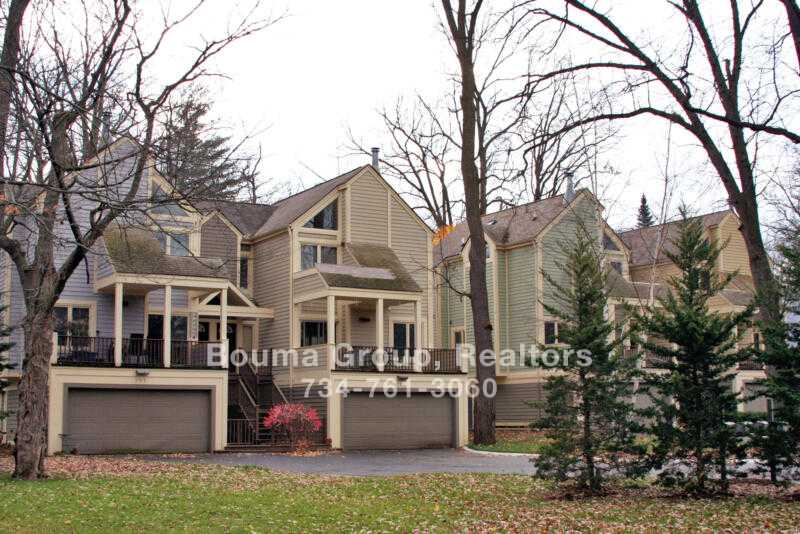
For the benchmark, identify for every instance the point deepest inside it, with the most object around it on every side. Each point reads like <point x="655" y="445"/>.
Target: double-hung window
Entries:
<point x="71" y="321"/>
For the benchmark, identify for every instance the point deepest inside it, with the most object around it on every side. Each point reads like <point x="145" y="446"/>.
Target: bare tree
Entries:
<point x="463" y="23"/>
<point x="707" y="80"/>
<point x="550" y="152"/>
<point x="420" y="159"/>
<point x="56" y="204"/>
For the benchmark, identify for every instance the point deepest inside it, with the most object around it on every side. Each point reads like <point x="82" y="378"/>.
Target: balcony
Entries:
<point x="78" y="351"/>
<point x="431" y="361"/>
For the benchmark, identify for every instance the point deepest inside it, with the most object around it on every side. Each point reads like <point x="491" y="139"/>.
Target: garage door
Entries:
<point x="402" y="422"/>
<point x="114" y="420"/>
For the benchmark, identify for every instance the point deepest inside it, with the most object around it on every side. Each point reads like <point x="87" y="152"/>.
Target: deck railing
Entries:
<point x="85" y="351"/>
<point x="397" y="360"/>
<point x="136" y="352"/>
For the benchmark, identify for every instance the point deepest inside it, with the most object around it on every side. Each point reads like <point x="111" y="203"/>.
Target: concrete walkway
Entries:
<point x="374" y="463"/>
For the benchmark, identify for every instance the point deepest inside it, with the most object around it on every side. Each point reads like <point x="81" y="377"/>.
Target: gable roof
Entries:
<point x="257" y="219"/>
<point x="643" y="241"/>
<point x="511" y="226"/>
<point x="290" y="208"/>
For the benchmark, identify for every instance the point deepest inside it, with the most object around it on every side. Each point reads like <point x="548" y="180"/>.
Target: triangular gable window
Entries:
<point x="326" y="218"/>
<point x="608" y="243"/>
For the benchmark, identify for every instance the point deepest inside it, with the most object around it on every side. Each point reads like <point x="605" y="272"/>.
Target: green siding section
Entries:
<point x="521" y="320"/>
<point x="556" y="243"/>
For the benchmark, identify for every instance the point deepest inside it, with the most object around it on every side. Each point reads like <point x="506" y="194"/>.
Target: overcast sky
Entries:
<point x="330" y="65"/>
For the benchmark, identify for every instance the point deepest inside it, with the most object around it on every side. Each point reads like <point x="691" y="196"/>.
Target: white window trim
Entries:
<point x="319" y="245"/>
<point x="91" y="305"/>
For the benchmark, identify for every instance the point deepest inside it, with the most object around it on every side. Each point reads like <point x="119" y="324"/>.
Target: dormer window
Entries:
<point x="608" y="243"/>
<point x="325" y="219"/>
<point x="174" y="244"/>
<point x="311" y="255"/>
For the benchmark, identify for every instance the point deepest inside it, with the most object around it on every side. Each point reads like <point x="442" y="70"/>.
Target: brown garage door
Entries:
<point x="402" y="422"/>
<point x="114" y="420"/>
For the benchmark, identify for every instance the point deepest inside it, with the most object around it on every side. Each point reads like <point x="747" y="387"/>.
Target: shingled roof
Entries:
<point x="643" y="241"/>
<point x="511" y="226"/>
<point x="263" y="219"/>
<point x="139" y="252"/>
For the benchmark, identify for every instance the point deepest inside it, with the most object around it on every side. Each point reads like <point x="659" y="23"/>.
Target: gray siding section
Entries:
<point x="217" y="240"/>
<point x="369" y="211"/>
<point x="12" y="402"/>
<point x="410" y="243"/>
<point x="511" y="402"/>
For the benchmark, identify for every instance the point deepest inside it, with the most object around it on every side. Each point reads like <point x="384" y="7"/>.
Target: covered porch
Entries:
<point x="369" y="331"/>
<point x="185" y="322"/>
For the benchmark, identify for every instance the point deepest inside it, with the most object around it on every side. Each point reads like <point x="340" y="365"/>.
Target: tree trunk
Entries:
<point x="462" y="31"/>
<point x="31" y="438"/>
<point x="8" y="62"/>
<point x="763" y="278"/>
<point x="793" y="15"/>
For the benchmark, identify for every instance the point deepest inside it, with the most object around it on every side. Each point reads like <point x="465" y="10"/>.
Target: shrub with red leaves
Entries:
<point x="297" y="421"/>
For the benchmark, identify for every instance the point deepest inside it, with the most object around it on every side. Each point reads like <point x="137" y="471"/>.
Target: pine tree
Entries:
<point x="192" y="154"/>
<point x="590" y="420"/>
<point x="779" y="442"/>
<point x="693" y="401"/>
<point x="645" y="217"/>
<point x="5" y="345"/>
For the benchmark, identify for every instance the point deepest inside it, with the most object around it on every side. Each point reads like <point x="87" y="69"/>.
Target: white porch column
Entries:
<point x="417" y="336"/>
<point x="223" y="325"/>
<point x="167" y="326"/>
<point x="379" y="343"/>
<point x="118" y="324"/>
<point x="331" y="327"/>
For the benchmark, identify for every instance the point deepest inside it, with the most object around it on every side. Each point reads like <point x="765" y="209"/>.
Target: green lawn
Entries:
<point x="520" y="441"/>
<point x="235" y="499"/>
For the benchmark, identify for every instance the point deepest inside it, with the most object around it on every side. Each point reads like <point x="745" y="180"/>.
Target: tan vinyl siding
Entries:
<point x="410" y="243"/>
<point x="734" y="255"/>
<point x="308" y="284"/>
<point x="369" y="220"/>
<point x="271" y="289"/>
<point x="217" y="240"/>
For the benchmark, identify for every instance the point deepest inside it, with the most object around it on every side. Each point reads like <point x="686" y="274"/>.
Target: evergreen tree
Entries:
<point x="779" y="441"/>
<point x="693" y="401"/>
<point x="645" y="217"/>
<point x="590" y="420"/>
<point x="5" y="345"/>
<point x="193" y="155"/>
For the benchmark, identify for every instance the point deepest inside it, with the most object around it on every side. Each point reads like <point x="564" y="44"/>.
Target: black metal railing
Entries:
<point x="397" y="360"/>
<point x="242" y="431"/>
<point x="442" y="361"/>
<point x="191" y="354"/>
<point x="143" y="353"/>
<point x="88" y="351"/>
<point x="136" y="352"/>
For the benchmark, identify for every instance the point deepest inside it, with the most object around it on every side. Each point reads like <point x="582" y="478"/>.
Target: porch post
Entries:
<point x="417" y="336"/>
<point x="223" y="325"/>
<point x="331" y="331"/>
<point x="118" y="324"/>
<point x="379" y="343"/>
<point x="167" y="325"/>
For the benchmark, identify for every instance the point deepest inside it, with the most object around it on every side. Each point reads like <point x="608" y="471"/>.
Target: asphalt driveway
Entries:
<point x="375" y="463"/>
